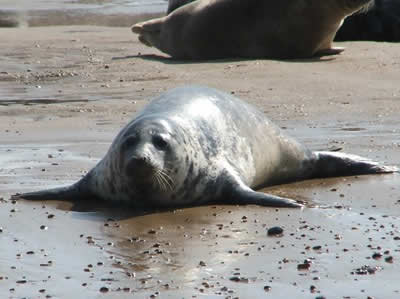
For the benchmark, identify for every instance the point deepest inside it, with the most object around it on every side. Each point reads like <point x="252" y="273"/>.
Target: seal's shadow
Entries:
<point x="170" y="60"/>
<point x="103" y="210"/>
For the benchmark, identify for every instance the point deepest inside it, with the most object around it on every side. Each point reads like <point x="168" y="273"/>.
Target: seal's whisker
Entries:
<point x="165" y="182"/>
<point x="155" y="181"/>
<point x="159" y="181"/>
<point x="167" y="172"/>
<point x="166" y="178"/>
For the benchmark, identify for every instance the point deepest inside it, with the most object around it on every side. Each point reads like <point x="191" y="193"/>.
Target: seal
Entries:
<point x="212" y="29"/>
<point x="196" y="145"/>
<point x="174" y="4"/>
<point x="380" y="23"/>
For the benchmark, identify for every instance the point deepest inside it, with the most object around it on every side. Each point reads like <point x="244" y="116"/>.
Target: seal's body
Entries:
<point x="380" y="23"/>
<point x="195" y="145"/>
<point x="210" y="29"/>
<point x="174" y="4"/>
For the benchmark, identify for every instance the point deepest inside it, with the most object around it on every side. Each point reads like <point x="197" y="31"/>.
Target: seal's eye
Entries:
<point x="160" y="142"/>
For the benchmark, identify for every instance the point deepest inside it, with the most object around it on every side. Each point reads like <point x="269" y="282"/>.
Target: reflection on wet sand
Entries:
<point x="119" y="16"/>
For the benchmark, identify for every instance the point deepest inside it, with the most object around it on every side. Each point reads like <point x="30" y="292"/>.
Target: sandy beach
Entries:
<point x="65" y="92"/>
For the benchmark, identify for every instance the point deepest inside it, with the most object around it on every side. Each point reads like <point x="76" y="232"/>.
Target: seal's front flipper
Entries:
<point x="246" y="196"/>
<point x="236" y="192"/>
<point x="73" y="192"/>
<point x="330" y="51"/>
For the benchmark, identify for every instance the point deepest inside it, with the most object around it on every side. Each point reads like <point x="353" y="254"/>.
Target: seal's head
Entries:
<point x="148" y="155"/>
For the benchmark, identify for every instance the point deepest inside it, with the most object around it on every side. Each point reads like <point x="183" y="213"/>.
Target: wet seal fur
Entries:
<point x="196" y="145"/>
<point x="212" y="29"/>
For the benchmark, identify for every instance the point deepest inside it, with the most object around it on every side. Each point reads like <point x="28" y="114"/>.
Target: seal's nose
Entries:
<point x="139" y="167"/>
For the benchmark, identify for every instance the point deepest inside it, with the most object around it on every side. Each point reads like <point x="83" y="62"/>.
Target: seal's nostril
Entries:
<point x="143" y="161"/>
<point x="137" y="166"/>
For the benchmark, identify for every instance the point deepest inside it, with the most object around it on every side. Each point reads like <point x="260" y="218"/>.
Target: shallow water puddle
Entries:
<point x="23" y="167"/>
<point x="39" y="101"/>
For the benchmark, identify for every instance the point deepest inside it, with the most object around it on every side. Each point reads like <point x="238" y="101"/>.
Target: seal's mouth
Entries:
<point x="142" y="171"/>
<point x="140" y="168"/>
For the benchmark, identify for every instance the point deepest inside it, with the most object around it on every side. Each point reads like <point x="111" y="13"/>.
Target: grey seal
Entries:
<point x="380" y="23"/>
<point x="174" y="4"/>
<point x="212" y="29"/>
<point x="196" y="145"/>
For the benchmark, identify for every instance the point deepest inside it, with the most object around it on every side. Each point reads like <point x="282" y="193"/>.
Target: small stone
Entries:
<point x="303" y="266"/>
<point x="389" y="259"/>
<point x="239" y="279"/>
<point x="377" y="255"/>
<point x="275" y="231"/>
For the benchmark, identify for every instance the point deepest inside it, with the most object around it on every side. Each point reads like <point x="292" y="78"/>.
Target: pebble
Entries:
<point x="377" y="255"/>
<point x="275" y="231"/>
<point x="303" y="266"/>
<point x="389" y="259"/>
<point x="239" y="279"/>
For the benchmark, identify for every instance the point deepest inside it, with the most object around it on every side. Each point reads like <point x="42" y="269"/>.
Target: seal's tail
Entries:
<point x="332" y="164"/>
<point x="149" y="32"/>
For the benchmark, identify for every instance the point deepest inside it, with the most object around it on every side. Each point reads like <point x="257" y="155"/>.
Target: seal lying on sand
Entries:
<point x="210" y="29"/>
<point x="196" y="145"/>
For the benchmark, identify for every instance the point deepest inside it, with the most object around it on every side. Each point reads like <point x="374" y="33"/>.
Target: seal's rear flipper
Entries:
<point x="333" y="164"/>
<point x="149" y="32"/>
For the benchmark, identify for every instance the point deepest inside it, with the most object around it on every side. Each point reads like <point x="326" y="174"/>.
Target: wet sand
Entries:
<point x="66" y="91"/>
